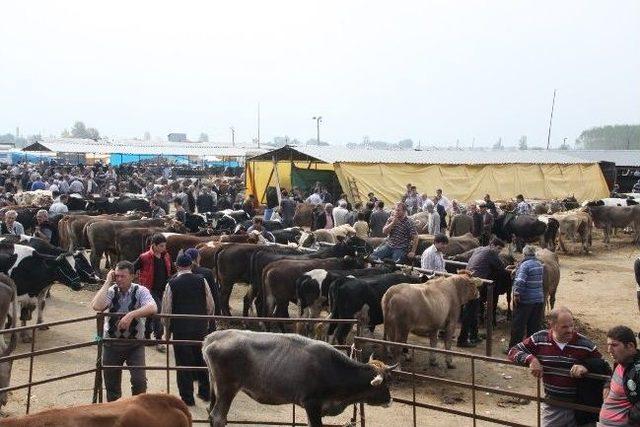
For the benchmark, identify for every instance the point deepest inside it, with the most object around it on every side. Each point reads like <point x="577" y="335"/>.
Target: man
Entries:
<point x="324" y="218"/>
<point x="208" y="275"/>
<point x="59" y="206"/>
<point x="443" y="205"/>
<point x="184" y="198"/>
<point x="43" y="229"/>
<point x="372" y="198"/>
<point x="378" y="219"/>
<point x="258" y="226"/>
<point x="522" y="208"/>
<point x="433" y="221"/>
<point x="154" y="268"/>
<point x="528" y="297"/>
<point x="287" y="209"/>
<point x="272" y="202"/>
<point x="402" y="237"/>
<point x="486" y="220"/>
<point x="621" y="405"/>
<point x="181" y="213"/>
<point x="136" y="303"/>
<point x="156" y="209"/>
<point x="485" y="263"/>
<point x="411" y="200"/>
<point x="10" y="225"/>
<point x="188" y="293"/>
<point x="76" y="186"/>
<point x="205" y="201"/>
<point x="38" y="184"/>
<point x="559" y="347"/>
<point x="491" y="206"/>
<point x="314" y="198"/>
<point x="433" y="256"/>
<point x="461" y="224"/>
<point x="340" y="213"/>
<point x="249" y="205"/>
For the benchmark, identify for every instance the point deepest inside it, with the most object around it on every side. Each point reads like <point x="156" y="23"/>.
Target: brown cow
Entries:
<point x="572" y="223"/>
<point x="148" y="410"/>
<point x="551" y="275"/>
<point x="303" y="217"/>
<point x="426" y="308"/>
<point x="131" y="242"/>
<point x="457" y="245"/>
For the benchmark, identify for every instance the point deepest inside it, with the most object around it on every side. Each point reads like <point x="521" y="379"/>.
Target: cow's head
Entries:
<point x="79" y="262"/>
<point x="467" y="287"/>
<point x="64" y="271"/>
<point x="378" y="394"/>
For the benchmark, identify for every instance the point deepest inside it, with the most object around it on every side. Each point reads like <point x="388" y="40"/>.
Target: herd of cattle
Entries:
<point x="319" y="270"/>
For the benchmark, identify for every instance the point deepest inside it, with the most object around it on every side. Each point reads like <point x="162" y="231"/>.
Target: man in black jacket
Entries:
<point x="205" y="201"/>
<point x="208" y="275"/>
<point x="188" y="293"/>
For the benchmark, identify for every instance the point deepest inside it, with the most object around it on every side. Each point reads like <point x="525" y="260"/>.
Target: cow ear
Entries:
<point x="377" y="380"/>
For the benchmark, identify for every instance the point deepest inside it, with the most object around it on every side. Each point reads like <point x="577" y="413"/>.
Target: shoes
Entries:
<point x="477" y="340"/>
<point x="161" y="348"/>
<point x="466" y="344"/>
<point x="189" y="401"/>
<point x="204" y="395"/>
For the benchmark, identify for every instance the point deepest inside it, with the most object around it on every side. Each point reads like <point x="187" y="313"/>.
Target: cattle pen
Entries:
<point x="357" y="416"/>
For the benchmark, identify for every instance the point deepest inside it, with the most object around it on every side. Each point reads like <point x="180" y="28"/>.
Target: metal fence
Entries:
<point x="472" y="385"/>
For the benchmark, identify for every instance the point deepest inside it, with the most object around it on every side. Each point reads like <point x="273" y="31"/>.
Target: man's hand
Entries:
<point x="125" y="321"/>
<point x="110" y="276"/>
<point x="535" y="367"/>
<point x="411" y="255"/>
<point x="578" y="371"/>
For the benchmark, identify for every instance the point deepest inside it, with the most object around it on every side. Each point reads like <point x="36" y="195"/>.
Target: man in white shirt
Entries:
<point x="314" y="198"/>
<point x="433" y="256"/>
<point x="340" y="213"/>
<point x="59" y="206"/>
<point x="442" y="200"/>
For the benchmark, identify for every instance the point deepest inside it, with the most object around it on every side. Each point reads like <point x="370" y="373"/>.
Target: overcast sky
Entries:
<point x="430" y="71"/>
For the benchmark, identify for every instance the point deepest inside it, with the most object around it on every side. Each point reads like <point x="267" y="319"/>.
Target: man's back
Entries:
<point x="377" y="221"/>
<point x="339" y="216"/>
<point x="461" y="224"/>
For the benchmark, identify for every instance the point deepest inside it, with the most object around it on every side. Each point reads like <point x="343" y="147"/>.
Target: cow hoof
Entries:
<point x="43" y="328"/>
<point x="451" y="365"/>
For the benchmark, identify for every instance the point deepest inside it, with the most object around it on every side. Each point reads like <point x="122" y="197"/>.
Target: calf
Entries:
<point x="427" y="308"/>
<point x="277" y="369"/>
<point x="148" y="410"/>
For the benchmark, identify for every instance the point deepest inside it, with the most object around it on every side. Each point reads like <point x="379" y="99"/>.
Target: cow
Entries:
<point x="33" y="274"/>
<point x="149" y="410"/>
<point x="427" y="308"/>
<point x="611" y="201"/>
<point x="303" y="216"/>
<point x="574" y="223"/>
<point x="8" y="316"/>
<point x="609" y="217"/>
<point x="456" y="245"/>
<point x="131" y="242"/>
<point x="550" y="275"/>
<point x="177" y="242"/>
<point x="114" y="205"/>
<point x="287" y="235"/>
<point x="319" y="378"/>
<point x="526" y="229"/>
<point x="348" y="296"/>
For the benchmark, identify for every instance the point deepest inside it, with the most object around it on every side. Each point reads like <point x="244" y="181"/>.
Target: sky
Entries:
<point x="433" y="71"/>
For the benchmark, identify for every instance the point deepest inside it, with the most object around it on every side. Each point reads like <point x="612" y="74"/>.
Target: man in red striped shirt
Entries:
<point x="621" y="405"/>
<point x="559" y="347"/>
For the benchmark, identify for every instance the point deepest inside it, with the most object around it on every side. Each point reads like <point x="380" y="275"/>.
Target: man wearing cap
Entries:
<point x="188" y="293"/>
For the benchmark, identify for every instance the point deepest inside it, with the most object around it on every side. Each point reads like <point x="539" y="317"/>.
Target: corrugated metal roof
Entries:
<point x="342" y="154"/>
<point x="619" y="157"/>
<point x="132" y="146"/>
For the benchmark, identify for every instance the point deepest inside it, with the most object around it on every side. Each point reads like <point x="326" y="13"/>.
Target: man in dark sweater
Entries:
<point x="378" y="219"/>
<point x="208" y="275"/>
<point x="188" y="293"/>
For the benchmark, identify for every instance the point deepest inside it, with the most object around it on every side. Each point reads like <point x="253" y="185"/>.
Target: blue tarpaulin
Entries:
<point x="118" y="159"/>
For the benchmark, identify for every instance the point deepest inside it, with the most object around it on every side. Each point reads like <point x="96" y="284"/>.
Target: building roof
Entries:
<point x="133" y="146"/>
<point x="342" y="154"/>
<point x="619" y="157"/>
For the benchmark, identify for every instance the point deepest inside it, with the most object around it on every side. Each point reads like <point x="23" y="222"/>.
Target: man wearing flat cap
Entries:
<point x="188" y="293"/>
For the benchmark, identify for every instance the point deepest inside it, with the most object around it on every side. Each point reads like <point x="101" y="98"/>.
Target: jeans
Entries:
<point x="154" y="323"/>
<point x="267" y="214"/>
<point x="385" y="251"/>
<point x="469" y="329"/>
<point x="527" y="319"/>
<point x="190" y="355"/>
<point x="118" y="354"/>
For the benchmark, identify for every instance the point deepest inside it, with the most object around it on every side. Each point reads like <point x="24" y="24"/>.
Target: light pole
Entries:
<point x="318" y="119"/>
<point x="233" y="136"/>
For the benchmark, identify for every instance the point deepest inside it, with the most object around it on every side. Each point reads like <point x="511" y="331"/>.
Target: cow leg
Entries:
<point x="314" y="413"/>
<point x="247" y="302"/>
<point x="448" y="338"/>
<point x="508" y="295"/>
<point x="218" y="415"/>
<point x="95" y="259"/>
<point x="225" y="295"/>
<point x="433" y="342"/>
<point x="552" y="299"/>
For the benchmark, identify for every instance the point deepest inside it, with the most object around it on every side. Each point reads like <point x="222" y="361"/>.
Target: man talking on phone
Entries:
<point x="136" y="303"/>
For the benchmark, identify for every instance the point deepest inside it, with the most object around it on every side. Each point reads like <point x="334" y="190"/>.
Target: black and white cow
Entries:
<point x="319" y="378"/>
<point x="33" y="274"/>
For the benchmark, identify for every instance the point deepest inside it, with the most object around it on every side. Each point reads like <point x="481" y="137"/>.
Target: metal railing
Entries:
<point x="472" y="385"/>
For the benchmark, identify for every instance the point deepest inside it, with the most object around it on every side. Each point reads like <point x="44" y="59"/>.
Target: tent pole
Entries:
<point x="275" y="168"/>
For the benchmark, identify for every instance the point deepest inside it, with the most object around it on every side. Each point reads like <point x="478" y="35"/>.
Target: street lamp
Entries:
<point x="233" y="136"/>
<point x="318" y="119"/>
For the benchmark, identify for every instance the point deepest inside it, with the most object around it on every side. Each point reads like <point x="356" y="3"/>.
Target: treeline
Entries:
<point x="617" y="137"/>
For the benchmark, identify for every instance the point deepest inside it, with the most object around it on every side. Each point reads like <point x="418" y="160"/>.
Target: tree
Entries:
<point x="522" y="142"/>
<point x="498" y="145"/>
<point x="65" y="134"/>
<point x="617" y="137"/>
<point x="147" y="136"/>
<point x="405" y="144"/>
<point x="92" y="133"/>
<point x="203" y="137"/>
<point x="79" y="130"/>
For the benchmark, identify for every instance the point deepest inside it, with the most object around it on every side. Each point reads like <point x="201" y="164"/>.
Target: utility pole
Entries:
<point x="553" y="104"/>
<point x="318" y="119"/>
<point x="233" y="136"/>
<point x="258" y="125"/>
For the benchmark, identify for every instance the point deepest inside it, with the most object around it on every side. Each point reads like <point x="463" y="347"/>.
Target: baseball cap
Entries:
<point x="184" y="260"/>
<point x="193" y="253"/>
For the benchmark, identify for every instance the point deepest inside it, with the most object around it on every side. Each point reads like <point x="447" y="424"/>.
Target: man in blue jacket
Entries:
<point x="528" y="297"/>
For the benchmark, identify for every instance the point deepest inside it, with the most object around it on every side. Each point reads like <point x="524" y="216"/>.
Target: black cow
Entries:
<point x="318" y="377"/>
<point x="75" y="202"/>
<point x="349" y="295"/>
<point x="194" y="222"/>
<point x="526" y="229"/>
<point x="287" y="235"/>
<point x="118" y="205"/>
<point x="221" y="221"/>
<point x="34" y="273"/>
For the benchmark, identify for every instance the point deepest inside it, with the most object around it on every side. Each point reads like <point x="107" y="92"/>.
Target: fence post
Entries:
<point x="33" y="348"/>
<point x="166" y="341"/>
<point x="473" y="388"/>
<point x="413" y="387"/>
<point x="538" y="396"/>
<point x="488" y="319"/>
<point x="97" y="384"/>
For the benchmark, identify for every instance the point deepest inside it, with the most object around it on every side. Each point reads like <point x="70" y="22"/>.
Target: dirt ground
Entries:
<point x="599" y="288"/>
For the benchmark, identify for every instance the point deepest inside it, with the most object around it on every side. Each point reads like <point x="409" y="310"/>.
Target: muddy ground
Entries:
<point x="599" y="288"/>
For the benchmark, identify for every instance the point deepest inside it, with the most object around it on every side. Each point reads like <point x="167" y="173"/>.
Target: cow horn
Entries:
<point x="392" y="367"/>
<point x="377" y="380"/>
